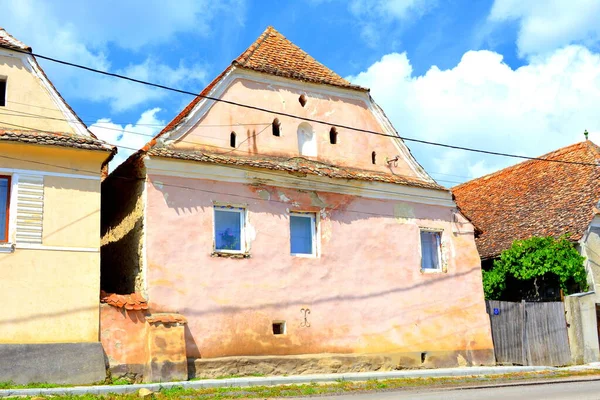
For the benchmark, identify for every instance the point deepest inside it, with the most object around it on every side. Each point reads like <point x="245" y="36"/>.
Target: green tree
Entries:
<point x="533" y="258"/>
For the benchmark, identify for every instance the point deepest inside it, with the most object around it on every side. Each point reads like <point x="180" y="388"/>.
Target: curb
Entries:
<point x="270" y="381"/>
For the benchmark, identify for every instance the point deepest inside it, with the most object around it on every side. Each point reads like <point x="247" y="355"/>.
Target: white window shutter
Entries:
<point x="30" y="209"/>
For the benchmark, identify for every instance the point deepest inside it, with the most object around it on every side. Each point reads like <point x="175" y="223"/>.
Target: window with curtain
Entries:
<point x="229" y="229"/>
<point x="4" y="204"/>
<point x="431" y="250"/>
<point x="302" y="234"/>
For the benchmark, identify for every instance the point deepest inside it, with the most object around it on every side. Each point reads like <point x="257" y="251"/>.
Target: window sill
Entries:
<point x="304" y="255"/>
<point x="223" y="254"/>
<point x="7" y="247"/>
<point x="432" y="271"/>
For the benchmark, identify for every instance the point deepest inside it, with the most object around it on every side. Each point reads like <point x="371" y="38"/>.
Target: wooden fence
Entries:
<point x="529" y="333"/>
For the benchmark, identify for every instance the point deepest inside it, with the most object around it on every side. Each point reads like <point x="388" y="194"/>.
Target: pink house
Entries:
<point x="272" y="243"/>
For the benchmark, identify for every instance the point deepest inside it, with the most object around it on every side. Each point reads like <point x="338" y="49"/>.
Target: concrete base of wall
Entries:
<point x="334" y="363"/>
<point x="582" y="328"/>
<point x="60" y="363"/>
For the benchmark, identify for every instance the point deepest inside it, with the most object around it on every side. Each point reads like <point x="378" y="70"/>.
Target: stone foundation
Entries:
<point x="334" y="363"/>
<point x="59" y="363"/>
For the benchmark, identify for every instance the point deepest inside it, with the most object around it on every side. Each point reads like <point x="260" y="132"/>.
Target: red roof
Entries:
<point x="294" y="165"/>
<point x="7" y="40"/>
<point x="133" y="301"/>
<point x="273" y="54"/>
<point x="533" y="198"/>
<point x="54" y="139"/>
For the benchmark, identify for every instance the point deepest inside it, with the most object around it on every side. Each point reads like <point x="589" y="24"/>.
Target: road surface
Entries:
<point x="585" y="390"/>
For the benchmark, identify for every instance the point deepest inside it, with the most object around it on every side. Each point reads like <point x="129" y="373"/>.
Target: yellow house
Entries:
<point x="50" y="174"/>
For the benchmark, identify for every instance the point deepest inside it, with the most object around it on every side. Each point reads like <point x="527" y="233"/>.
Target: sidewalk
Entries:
<point x="286" y="380"/>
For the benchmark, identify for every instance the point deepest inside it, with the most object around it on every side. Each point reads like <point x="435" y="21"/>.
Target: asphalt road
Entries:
<point x="586" y="390"/>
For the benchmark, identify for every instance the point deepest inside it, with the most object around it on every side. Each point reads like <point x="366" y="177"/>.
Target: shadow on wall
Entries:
<point x="120" y="269"/>
<point x="30" y="317"/>
<point x="331" y="299"/>
<point x="186" y="196"/>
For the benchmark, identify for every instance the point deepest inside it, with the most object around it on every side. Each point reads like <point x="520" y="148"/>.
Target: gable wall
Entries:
<point x="27" y="95"/>
<point x="255" y="137"/>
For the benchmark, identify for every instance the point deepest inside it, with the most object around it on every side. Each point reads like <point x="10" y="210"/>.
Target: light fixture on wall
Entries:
<point x="393" y="161"/>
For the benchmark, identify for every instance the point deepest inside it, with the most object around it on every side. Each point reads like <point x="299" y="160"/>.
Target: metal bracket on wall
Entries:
<point x="305" y="323"/>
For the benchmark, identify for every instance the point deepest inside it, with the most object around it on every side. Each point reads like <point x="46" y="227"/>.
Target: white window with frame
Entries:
<point x="303" y="234"/>
<point x="229" y="229"/>
<point x="431" y="250"/>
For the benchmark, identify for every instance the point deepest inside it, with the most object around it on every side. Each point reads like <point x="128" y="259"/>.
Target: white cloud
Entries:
<point x="549" y="24"/>
<point x="483" y="103"/>
<point x="374" y="16"/>
<point x="130" y="137"/>
<point x="123" y="95"/>
<point x="80" y="32"/>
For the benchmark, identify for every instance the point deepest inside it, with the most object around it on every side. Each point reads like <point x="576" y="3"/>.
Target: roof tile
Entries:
<point x="294" y="165"/>
<point x="133" y="301"/>
<point x="272" y="53"/>
<point x="54" y="139"/>
<point x="7" y="40"/>
<point x="533" y="198"/>
<point x="166" y="318"/>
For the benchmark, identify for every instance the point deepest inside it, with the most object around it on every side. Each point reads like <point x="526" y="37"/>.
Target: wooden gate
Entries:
<point x="529" y="333"/>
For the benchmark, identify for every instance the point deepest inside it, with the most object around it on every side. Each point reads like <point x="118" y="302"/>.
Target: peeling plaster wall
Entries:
<point x="365" y="292"/>
<point x="123" y="230"/>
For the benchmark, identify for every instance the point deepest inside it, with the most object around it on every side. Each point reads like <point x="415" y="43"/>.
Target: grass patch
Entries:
<point x="41" y="385"/>
<point x="338" y="387"/>
<point x="229" y="376"/>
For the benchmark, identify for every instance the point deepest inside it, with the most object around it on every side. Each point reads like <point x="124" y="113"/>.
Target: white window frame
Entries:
<point x="9" y="245"/>
<point x="440" y="267"/>
<point x="242" y="211"/>
<point x="314" y="229"/>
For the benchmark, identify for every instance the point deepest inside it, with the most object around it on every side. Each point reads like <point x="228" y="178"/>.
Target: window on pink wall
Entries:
<point x="229" y="224"/>
<point x="303" y="232"/>
<point x="431" y="250"/>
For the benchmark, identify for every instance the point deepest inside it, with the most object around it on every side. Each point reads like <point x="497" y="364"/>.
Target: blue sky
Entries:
<point x="505" y="75"/>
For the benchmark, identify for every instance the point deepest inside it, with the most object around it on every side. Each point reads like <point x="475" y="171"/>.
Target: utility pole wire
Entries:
<point x="147" y="83"/>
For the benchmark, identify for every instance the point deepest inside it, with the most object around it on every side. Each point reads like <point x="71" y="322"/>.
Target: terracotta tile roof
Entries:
<point x="294" y="165"/>
<point x="166" y="318"/>
<point x="133" y="301"/>
<point x="54" y="139"/>
<point x="7" y="40"/>
<point x="273" y="54"/>
<point x="533" y="198"/>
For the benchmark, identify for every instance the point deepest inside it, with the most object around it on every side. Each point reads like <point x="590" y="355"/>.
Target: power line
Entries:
<point x="397" y="136"/>
<point x="97" y="120"/>
<point x="244" y="169"/>
<point x="184" y="141"/>
<point x="491" y="210"/>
